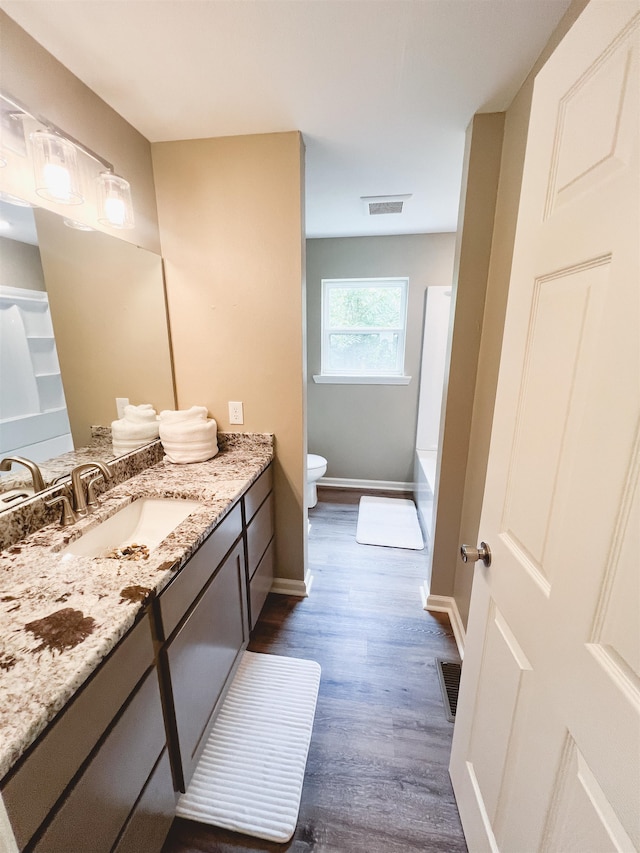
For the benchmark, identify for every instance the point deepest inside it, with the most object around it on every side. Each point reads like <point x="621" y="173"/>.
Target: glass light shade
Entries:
<point x="14" y="200"/>
<point x="76" y="225"/>
<point x="55" y="168"/>
<point x="114" y="199"/>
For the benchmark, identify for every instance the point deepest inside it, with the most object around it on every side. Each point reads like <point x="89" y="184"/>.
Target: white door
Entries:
<point x="546" y="750"/>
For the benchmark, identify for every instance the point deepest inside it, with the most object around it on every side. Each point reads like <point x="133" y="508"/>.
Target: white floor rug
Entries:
<point x="389" y="521"/>
<point x="249" y="778"/>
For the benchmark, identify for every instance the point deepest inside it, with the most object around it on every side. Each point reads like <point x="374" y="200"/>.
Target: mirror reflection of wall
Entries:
<point x="108" y="311"/>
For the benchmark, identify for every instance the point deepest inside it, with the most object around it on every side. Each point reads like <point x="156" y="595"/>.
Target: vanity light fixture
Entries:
<point x="55" y="163"/>
<point x="114" y="197"/>
<point x="55" y="167"/>
<point x="14" y="200"/>
<point x="78" y="226"/>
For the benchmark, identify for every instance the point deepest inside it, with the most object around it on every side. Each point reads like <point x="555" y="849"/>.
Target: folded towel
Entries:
<point x="145" y="413"/>
<point x="138" y="426"/>
<point x="195" y="413"/>
<point x="188" y="435"/>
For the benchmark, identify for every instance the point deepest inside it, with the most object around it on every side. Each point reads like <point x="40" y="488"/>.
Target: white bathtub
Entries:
<point x="424" y="488"/>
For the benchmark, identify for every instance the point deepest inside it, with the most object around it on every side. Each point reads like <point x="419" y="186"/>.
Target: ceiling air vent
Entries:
<point x="382" y="204"/>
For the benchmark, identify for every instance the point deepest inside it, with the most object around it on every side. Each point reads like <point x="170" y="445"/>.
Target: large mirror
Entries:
<point x="107" y="321"/>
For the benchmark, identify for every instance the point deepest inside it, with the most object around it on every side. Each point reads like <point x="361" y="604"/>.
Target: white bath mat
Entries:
<point x="389" y="521"/>
<point x="249" y="778"/>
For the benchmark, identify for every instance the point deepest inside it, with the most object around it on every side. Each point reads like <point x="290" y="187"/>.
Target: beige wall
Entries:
<point x="231" y="230"/>
<point x="20" y="265"/>
<point x="473" y="252"/>
<point x="368" y="431"/>
<point x="454" y="577"/>
<point x="33" y="76"/>
<point x="110" y="321"/>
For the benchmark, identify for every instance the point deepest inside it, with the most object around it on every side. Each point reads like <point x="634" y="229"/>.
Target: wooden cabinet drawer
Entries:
<point x="150" y="821"/>
<point x="261" y="584"/>
<point x="178" y="597"/>
<point x="257" y="493"/>
<point x="93" y="813"/>
<point x="259" y="534"/>
<point x="202" y="654"/>
<point x="38" y="782"/>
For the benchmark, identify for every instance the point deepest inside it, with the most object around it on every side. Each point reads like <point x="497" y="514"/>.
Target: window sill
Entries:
<point x="321" y="379"/>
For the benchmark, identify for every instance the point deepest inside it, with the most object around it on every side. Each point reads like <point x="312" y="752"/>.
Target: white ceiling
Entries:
<point x="382" y="90"/>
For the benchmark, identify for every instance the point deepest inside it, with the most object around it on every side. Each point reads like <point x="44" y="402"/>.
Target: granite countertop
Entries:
<point x="100" y="447"/>
<point x="61" y="615"/>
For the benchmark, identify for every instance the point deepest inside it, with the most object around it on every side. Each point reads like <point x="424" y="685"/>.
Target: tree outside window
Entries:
<point x="363" y="326"/>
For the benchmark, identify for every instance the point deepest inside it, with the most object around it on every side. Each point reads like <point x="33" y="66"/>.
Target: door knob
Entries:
<point x="472" y="555"/>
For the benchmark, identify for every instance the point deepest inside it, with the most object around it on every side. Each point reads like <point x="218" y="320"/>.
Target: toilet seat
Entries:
<point x="314" y="462"/>
<point x="316" y="466"/>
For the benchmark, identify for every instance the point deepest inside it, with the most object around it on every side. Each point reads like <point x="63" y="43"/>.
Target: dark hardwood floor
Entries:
<point x="377" y="778"/>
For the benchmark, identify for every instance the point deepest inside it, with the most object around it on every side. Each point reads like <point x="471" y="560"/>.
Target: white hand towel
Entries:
<point x="195" y="413"/>
<point x="143" y="414"/>
<point x="138" y="426"/>
<point x="188" y="435"/>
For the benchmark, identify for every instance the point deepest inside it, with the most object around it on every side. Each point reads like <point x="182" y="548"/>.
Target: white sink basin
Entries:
<point x="145" y="522"/>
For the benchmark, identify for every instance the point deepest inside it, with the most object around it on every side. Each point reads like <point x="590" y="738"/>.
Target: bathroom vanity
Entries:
<point x="112" y="671"/>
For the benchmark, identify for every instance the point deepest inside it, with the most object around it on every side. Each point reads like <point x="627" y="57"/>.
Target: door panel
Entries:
<point x="546" y="749"/>
<point x="595" y="123"/>
<point x="581" y="819"/>
<point x="504" y="666"/>
<point x="566" y="309"/>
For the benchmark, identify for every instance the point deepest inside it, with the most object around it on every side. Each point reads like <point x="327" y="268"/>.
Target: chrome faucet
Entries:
<point x="77" y="488"/>
<point x="36" y="475"/>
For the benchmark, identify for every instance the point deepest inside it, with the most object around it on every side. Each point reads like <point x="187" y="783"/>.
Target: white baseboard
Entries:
<point x="447" y="604"/>
<point x="365" y="485"/>
<point x="288" y="586"/>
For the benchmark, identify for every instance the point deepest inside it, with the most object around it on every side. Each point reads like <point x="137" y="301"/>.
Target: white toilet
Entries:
<point x="316" y="466"/>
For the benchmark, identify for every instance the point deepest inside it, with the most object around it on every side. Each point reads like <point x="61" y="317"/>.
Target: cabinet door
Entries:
<point x="202" y="655"/>
<point x="257" y="493"/>
<point x="183" y="590"/>
<point x="34" y="787"/>
<point x="261" y="584"/>
<point x="97" y="806"/>
<point x="259" y="534"/>
<point x="149" y="823"/>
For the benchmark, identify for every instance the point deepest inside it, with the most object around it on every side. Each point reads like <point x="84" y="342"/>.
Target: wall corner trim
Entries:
<point x="447" y="604"/>
<point x="288" y="586"/>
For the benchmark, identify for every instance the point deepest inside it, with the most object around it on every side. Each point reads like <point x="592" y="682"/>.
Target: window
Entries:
<point x="363" y="328"/>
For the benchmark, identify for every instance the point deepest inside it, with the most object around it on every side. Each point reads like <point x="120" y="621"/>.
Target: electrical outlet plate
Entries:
<point x="236" y="415"/>
<point x="121" y="402"/>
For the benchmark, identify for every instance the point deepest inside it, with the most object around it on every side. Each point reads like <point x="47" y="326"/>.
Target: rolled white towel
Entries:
<point x="188" y="435"/>
<point x="138" y="426"/>
<point x="143" y="414"/>
<point x="195" y="413"/>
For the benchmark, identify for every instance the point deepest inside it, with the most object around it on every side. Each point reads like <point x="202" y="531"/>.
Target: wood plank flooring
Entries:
<point x="377" y="778"/>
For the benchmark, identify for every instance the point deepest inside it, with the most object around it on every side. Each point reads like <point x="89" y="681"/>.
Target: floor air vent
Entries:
<point x="449" y="675"/>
